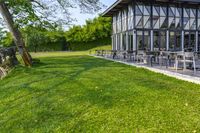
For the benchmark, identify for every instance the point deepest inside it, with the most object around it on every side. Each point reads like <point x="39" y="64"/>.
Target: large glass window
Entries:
<point x="123" y="41"/>
<point x="178" y="19"/>
<point x="159" y="40"/>
<point x="175" y="41"/>
<point x="186" y="19"/>
<point x="156" y="40"/>
<point x="163" y="17"/>
<point x="147" y="41"/>
<point x="124" y="20"/>
<point x="118" y="42"/>
<point x="171" y="17"/>
<point x="139" y="40"/>
<point x="119" y="22"/>
<point x="189" y="41"/>
<point x="198" y="19"/>
<point x="189" y="20"/>
<point x="139" y="16"/>
<point x="156" y="17"/>
<point x="178" y="41"/>
<point x="114" y="43"/>
<point x="192" y="19"/>
<point x="130" y="40"/>
<point x="114" y="24"/>
<point x="130" y="17"/>
<point x="143" y="40"/>
<point x="163" y="40"/>
<point x="147" y="17"/>
<point x="143" y="16"/>
<point x="186" y="40"/>
<point x="198" y="47"/>
<point x="192" y="40"/>
<point x="172" y="41"/>
<point x="159" y="17"/>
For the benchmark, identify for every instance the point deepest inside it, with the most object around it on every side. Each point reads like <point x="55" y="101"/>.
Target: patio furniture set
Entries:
<point x="176" y="60"/>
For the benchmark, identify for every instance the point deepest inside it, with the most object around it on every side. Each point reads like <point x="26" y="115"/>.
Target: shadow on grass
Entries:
<point x="64" y="89"/>
<point x="41" y="87"/>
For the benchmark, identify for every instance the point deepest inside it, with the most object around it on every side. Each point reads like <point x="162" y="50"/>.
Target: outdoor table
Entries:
<point x="172" y="54"/>
<point x="113" y="53"/>
<point x="98" y="52"/>
<point x="131" y="53"/>
<point x="152" y="55"/>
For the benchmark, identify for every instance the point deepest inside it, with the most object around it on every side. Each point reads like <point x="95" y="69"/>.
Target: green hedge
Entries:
<point x="90" y="45"/>
<point x="47" y="48"/>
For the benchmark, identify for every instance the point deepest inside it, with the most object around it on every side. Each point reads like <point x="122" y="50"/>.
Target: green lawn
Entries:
<point x="72" y="92"/>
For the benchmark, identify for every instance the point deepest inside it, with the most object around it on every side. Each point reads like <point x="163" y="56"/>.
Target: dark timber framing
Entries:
<point x="155" y="25"/>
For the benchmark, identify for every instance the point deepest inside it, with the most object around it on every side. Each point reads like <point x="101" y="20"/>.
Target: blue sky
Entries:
<point x="82" y="17"/>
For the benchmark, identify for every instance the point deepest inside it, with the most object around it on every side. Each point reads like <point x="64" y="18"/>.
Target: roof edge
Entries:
<point x="105" y="13"/>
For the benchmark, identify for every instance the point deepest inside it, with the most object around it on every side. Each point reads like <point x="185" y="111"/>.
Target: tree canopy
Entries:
<point x="95" y="29"/>
<point x="18" y="13"/>
<point x="45" y="12"/>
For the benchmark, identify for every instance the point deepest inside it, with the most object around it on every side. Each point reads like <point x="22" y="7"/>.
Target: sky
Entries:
<point x="80" y="18"/>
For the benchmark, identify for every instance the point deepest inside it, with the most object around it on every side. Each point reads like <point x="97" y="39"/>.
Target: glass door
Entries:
<point x="118" y="42"/>
<point x="130" y="40"/>
<point x="139" y="35"/>
<point x="143" y="40"/>
<point x="172" y="42"/>
<point x="123" y="41"/>
<point x="147" y="41"/>
<point x="175" y="40"/>
<point x="159" y="40"/>
<point x="198" y="47"/>
<point x="156" y="40"/>
<point x="189" y="41"/>
<point x="163" y="44"/>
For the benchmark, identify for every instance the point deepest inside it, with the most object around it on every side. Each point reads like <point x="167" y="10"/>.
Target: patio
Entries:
<point x="175" y="64"/>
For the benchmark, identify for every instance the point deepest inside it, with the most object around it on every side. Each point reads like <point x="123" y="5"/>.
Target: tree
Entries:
<point x="98" y="28"/>
<point x="1" y="35"/>
<point x="16" y="34"/>
<point x="17" y="13"/>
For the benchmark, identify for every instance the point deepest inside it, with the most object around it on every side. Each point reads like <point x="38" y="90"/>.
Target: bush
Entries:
<point x="90" y="45"/>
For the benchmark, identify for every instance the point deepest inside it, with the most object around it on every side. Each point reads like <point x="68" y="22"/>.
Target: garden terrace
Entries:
<point x="181" y="65"/>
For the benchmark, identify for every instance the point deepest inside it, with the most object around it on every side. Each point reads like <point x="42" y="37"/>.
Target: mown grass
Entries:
<point x="72" y="92"/>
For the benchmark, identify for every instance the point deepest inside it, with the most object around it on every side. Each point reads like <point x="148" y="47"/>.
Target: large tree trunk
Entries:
<point x="16" y="34"/>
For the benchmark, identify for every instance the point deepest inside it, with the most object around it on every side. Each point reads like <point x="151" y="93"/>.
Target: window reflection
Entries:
<point x="172" y="21"/>
<point x="123" y="41"/>
<point x="172" y="41"/>
<point x="162" y="40"/>
<point x="130" y="40"/>
<point x="156" y="40"/>
<point x="139" y="40"/>
<point x="147" y="42"/>
<point x="130" y="17"/>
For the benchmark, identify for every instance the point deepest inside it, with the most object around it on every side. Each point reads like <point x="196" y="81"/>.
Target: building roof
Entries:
<point x="119" y="4"/>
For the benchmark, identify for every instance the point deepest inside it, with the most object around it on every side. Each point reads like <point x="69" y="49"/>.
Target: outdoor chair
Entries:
<point x="122" y="55"/>
<point x="186" y="58"/>
<point x="166" y="58"/>
<point x="152" y="57"/>
<point x="131" y="55"/>
<point x="113" y="54"/>
<point x="97" y="52"/>
<point x="141" y="56"/>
